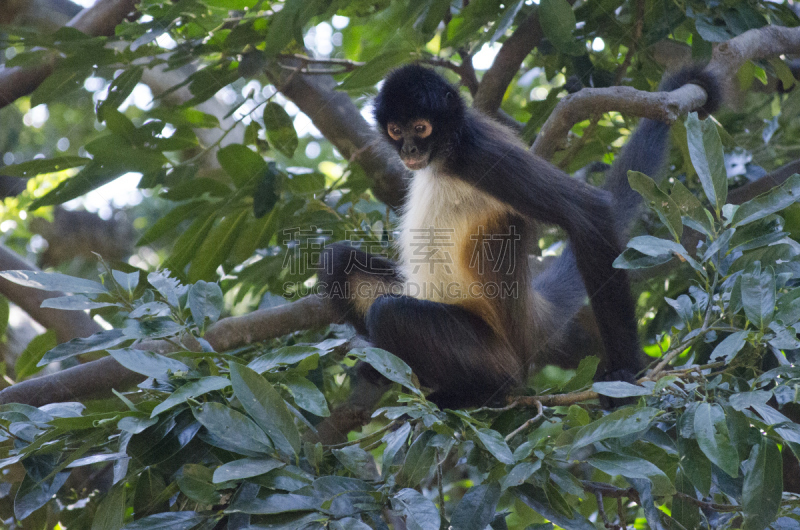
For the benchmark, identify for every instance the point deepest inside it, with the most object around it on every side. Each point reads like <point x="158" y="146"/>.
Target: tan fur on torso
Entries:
<point x="438" y="269"/>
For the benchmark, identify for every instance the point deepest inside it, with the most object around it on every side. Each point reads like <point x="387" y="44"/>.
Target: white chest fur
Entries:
<point x="440" y="221"/>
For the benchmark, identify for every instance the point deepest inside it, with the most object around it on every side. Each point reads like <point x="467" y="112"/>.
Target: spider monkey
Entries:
<point x="460" y="307"/>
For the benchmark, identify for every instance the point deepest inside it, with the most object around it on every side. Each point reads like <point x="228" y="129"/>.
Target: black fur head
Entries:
<point x="418" y="112"/>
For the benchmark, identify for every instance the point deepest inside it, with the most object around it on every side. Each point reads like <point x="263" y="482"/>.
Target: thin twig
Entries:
<point x="539" y="414"/>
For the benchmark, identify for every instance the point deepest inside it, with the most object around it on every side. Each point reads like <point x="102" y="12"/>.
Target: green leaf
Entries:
<point x="745" y="400"/>
<point x="110" y="514"/>
<point x="619" y="423"/>
<point x="584" y="374"/>
<point x="101" y="340"/>
<point x="135" y="424"/>
<point x="147" y="363"/>
<point x="171" y="220"/>
<point x="306" y="394"/>
<point x="245" y="468"/>
<point x="395" y="441"/>
<point x="191" y="390"/>
<point x="758" y="295"/>
<point x="686" y="513"/>
<point x="729" y="347"/>
<point x="374" y="70"/>
<point x="520" y="473"/>
<point x="357" y="461"/>
<point x="507" y="19"/>
<point x="105" y="167"/>
<point x="242" y="164"/>
<point x="772" y="254"/>
<point x="208" y="81"/>
<point x="205" y="302"/>
<point x="556" y="499"/>
<point x="705" y="150"/>
<point x="28" y="361"/>
<point x="233" y="427"/>
<point x="476" y="508"/>
<point x="694" y="464"/>
<point x="713" y="438"/>
<point x="59" y="83"/>
<point x="633" y="467"/>
<point x="194" y="481"/>
<point x="691" y="207"/>
<point x="763" y="485"/>
<point x="494" y="443"/>
<point x="768" y="203"/>
<point x="266" y="193"/>
<point x="538" y="500"/>
<point x="148" y="497"/>
<point x="187" y="244"/>
<point x="655" y="246"/>
<point x="418" y="461"/>
<point x="285" y="356"/>
<point x="389" y="366"/>
<point x="157" y="328"/>
<point x="557" y="20"/>
<point x="53" y="281"/>
<point x="280" y="129"/>
<point x="41" y="166"/>
<point x="633" y="259"/>
<point x="32" y="495"/>
<point x="77" y="302"/>
<point x="119" y="90"/>
<point x="167" y="521"/>
<point x="345" y="496"/>
<point x="350" y="523"/>
<point x="665" y="206"/>
<point x="266" y="406"/>
<point x="217" y="247"/>
<point x="620" y="389"/>
<point x="420" y="513"/>
<point x="277" y="503"/>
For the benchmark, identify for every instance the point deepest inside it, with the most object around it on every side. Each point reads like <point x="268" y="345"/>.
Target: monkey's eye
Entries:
<point x="394" y="131"/>
<point x="423" y="128"/>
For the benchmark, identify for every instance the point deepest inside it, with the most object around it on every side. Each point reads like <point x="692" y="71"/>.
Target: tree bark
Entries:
<point x="100" y="19"/>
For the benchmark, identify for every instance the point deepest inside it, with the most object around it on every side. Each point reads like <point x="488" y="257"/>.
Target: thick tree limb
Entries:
<point x="506" y="64"/>
<point x="340" y="121"/>
<point x="100" y="19"/>
<point x="574" y="108"/>
<point x="67" y="324"/>
<point x="752" y="45"/>
<point x="99" y="377"/>
<point x="764" y="184"/>
<point x="770" y="41"/>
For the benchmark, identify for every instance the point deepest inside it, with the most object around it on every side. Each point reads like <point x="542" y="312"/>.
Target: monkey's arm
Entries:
<point x="538" y="190"/>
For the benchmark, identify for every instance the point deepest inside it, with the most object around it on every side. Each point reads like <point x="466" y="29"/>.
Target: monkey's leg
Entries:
<point x="451" y="350"/>
<point x="353" y="279"/>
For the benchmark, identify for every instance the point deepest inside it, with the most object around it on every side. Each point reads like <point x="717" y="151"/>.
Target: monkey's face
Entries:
<point x="413" y="141"/>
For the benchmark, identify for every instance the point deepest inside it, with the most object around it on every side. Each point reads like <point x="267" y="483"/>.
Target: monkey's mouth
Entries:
<point x="415" y="163"/>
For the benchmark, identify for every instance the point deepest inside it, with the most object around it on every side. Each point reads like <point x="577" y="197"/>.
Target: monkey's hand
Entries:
<point x="617" y="375"/>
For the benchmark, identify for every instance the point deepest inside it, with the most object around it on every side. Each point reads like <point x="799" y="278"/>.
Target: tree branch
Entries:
<point x="506" y="64"/>
<point x="340" y="121"/>
<point x="100" y="19"/>
<point x="588" y="102"/>
<point x="99" y="377"/>
<point x="770" y="41"/>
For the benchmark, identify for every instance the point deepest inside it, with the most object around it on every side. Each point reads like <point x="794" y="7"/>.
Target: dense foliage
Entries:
<point x="226" y="439"/>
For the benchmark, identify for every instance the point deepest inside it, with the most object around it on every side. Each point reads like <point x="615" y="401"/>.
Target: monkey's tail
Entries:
<point x="645" y="152"/>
